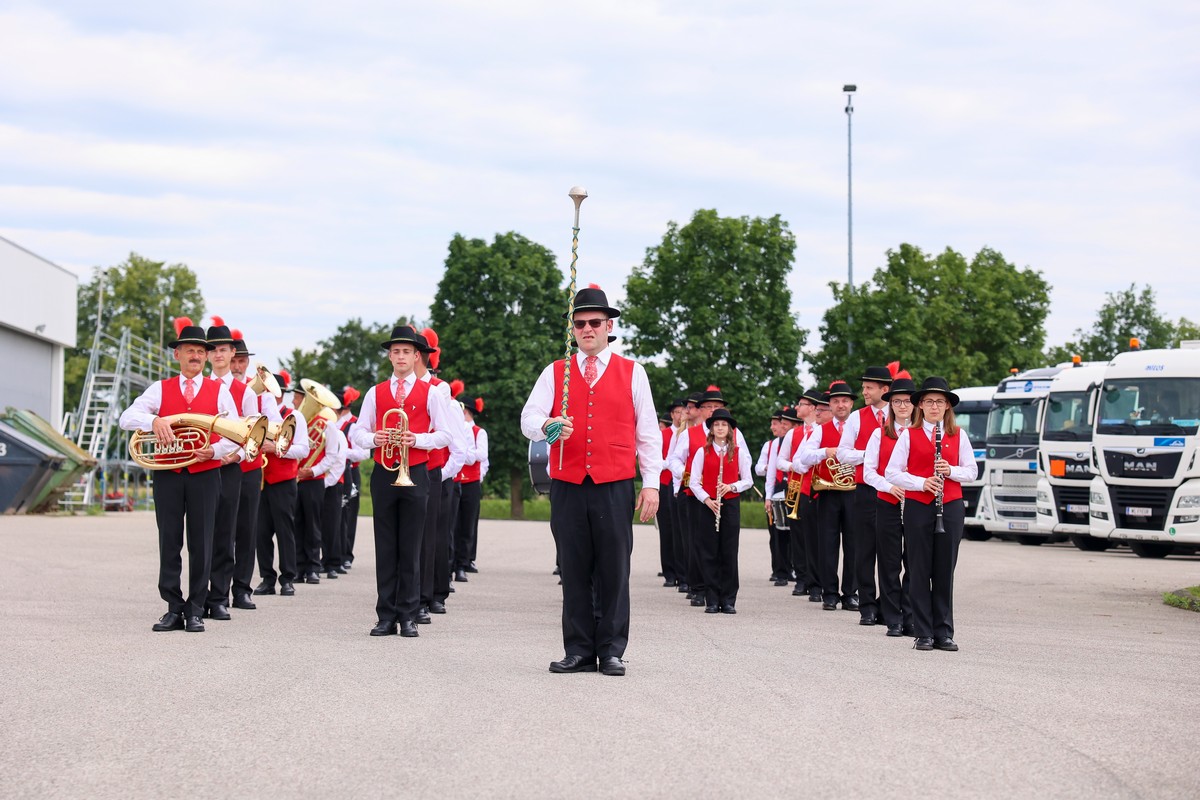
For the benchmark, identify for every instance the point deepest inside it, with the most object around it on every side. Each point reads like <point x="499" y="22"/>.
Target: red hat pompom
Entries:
<point x="713" y="388"/>
<point x="457" y="387"/>
<point x="349" y="395"/>
<point x="478" y="405"/>
<point x="235" y="333"/>
<point x="834" y="383"/>
<point x="217" y="320"/>
<point x="893" y="368"/>
<point x="287" y="376"/>
<point x="435" y="358"/>
<point x="594" y="286"/>
<point x="430" y="336"/>
<point x="903" y="374"/>
<point x="180" y="324"/>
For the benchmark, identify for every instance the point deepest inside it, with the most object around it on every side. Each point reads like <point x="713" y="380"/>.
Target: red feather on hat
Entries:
<point x="180" y="324"/>
<point x="287" y="377"/>
<point x="713" y="388"/>
<point x="217" y="320"/>
<point x="893" y="368"/>
<point x="478" y="405"/>
<point x="349" y="395"/>
<point x="457" y="387"/>
<point x="831" y="385"/>
<point x="902" y="374"/>
<point x="435" y="358"/>
<point x="235" y="333"/>
<point x="430" y="336"/>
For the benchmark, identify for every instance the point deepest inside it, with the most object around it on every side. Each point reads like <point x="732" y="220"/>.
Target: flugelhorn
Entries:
<point x="842" y="474"/>
<point x="193" y="432"/>
<point x="394" y="449"/>
<point x="264" y="381"/>
<point x="791" y="500"/>
<point x="282" y="433"/>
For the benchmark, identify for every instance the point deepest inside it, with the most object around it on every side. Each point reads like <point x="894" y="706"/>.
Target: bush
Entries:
<point x="1187" y="599"/>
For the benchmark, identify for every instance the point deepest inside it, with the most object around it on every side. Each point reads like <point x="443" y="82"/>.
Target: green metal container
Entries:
<point x="75" y="463"/>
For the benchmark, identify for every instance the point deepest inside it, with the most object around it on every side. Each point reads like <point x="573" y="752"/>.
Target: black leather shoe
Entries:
<point x="471" y="567"/>
<point x="923" y="643"/>
<point x="218" y="611"/>
<point x="340" y="570"/>
<point x="408" y="629"/>
<point x="346" y="566"/>
<point x="781" y="582"/>
<point x="242" y="600"/>
<point x="800" y="591"/>
<point x="437" y="608"/>
<point x="383" y="628"/>
<point x="574" y="664"/>
<point x="611" y="665"/>
<point x="670" y="583"/>
<point x="264" y="588"/>
<point x="169" y="621"/>
<point x="460" y="575"/>
<point x="894" y="630"/>
<point x="683" y="587"/>
<point x="331" y="575"/>
<point x="312" y="578"/>
<point x="868" y="618"/>
<point x="698" y="601"/>
<point x="727" y="608"/>
<point x="287" y="589"/>
<point x="711" y="609"/>
<point x="557" y="571"/>
<point x="850" y="603"/>
<point x="423" y="617"/>
<point x="946" y="644"/>
<point x="909" y="630"/>
<point x="815" y="597"/>
<point x="194" y="625"/>
<point x="828" y="606"/>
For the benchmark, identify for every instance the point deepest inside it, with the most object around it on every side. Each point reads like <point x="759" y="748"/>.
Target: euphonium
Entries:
<point x="843" y="477"/>
<point x="394" y="449"/>
<point x="264" y="381"/>
<point x="792" y="499"/>
<point x="194" y="432"/>
<point x="282" y="433"/>
<point x="316" y="436"/>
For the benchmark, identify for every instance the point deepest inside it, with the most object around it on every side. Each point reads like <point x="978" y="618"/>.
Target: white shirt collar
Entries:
<point x="409" y="381"/>
<point x="603" y="356"/>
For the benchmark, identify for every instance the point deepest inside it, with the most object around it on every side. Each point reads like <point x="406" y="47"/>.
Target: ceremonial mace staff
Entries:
<point x="577" y="194"/>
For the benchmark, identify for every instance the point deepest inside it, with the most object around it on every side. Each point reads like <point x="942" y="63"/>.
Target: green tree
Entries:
<point x="1124" y="315"/>
<point x="350" y="357"/>
<point x="942" y="315"/>
<point x="139" y="294"/>
<point x="711" y="305"/>
<point x="498" y="315"/>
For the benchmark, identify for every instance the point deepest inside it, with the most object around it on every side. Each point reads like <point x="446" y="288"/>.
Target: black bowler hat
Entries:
<point x="694" y="399"/>
<point x="423" y="344"/>
<point x="406" y="334"/>
<point x="779" y="413"/>
<point x="239" y="343"/>
<point x="592" y="298"/>
<point x="877" y="374"/>
<point x="187" y="333"/>
<point x="935" y="384"/>
<point x="840" y="389"/>
<point x="674" y="404"/>
<point x="218" y="332"/>
<point x="823" y="400"/>
<point x="790" y="414"/>
<point x="901" y="385"/>
<point x="813" y="396"/>
<point x="722" y="414"/>
<point x="712" y="395"/>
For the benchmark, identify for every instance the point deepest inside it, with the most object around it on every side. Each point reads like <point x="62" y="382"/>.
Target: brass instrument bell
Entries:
<point x="394" y="449"/>
<point x="193" y="432"/>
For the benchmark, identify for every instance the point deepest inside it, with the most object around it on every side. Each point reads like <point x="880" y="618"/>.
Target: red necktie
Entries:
<point x="189" y="392"/>
<point x="879" y="415"/>
<point x="400" y="394"/>
<point x="837" y="424"/>
<point x="589" y="370"/>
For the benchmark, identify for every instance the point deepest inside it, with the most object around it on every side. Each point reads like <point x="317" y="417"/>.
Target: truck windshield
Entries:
<point x="974" y="422"/>
<point x="1150" y="407"/>
<point x="1013" y="422"/>
<point x="1068" y="417"/>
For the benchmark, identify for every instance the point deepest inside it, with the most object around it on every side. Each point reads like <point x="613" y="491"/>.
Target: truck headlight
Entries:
<point x="1189" y="501"/>
<point x="1096" y="498"/>
<point x="1042" y="497"/>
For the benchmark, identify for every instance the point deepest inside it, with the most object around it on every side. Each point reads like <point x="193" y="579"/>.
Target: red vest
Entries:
<point x="416" y="406"/>
<point x="470" y="472"/>
<point x="920" y="464"/>
<point x="316" y="430"/>
<point x="830" y="437"/>
<point x="345" y="428"/>
<point x="664" y="478"/>
<point x="867" y="424"/>
<point x="438" y="457"/>
<point x="697" y="438"/>
<point x="279" y="469"/>
<point x="713" y="468"/>
<point x="205" y="402"/>
<point x="238" y="390"/>
<point x="886" y="445"/>
<point x="604" y="445"/>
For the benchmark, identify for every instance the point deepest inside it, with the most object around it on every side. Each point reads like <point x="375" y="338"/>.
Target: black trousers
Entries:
<point x="331" y="527"/>
<point x="666" y="532"/>
<point x="698" y="515"/>
<point x="433" y="516"/>
<point x="399" y="517"/>
<point x="932" y="558"/>
<point x="781" y="561"/>
<point x="224" y="533"/>
<point x="592" y="525"/>
<point x="835" y="518"/>
<point x="277" y="520"/>
<point x="866" y="499"/>
<point x="467" y="523"/>
<point x="185" y="498"/>
<point x="889" y="529"/>
<point x="811" y="542"/>
<point x="245" y="540"/>
<point x="683" y="535"/>
<point x="719" y="552"/>
<point x="353" y="486"/>
<point x="310" y="496"/>
<point x="442" y="554"/>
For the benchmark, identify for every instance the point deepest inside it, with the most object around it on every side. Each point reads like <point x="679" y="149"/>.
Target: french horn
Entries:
<point x="193" y="432"/>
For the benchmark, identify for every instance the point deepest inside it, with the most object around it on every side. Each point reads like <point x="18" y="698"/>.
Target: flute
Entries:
<point x="939" y="526"/>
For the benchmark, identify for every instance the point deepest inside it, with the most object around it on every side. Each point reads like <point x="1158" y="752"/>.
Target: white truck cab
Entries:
<point x="971" y="414"/>
<point x="1147" y="490"/>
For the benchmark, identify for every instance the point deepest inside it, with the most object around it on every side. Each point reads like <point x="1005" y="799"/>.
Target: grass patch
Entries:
<point x="1187" y="599"/>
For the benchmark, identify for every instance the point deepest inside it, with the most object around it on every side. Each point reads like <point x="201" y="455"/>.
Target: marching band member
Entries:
<point x="803" y="530"/>
<point x="451" y="491"/>
<point x="310" y="496"/>
<point x="428" y="351"/>
<point x="889" y="513"/>
<point x="933" y="508"/>
<point x="834" y="509"/>
<point x="352" y="477"/>
<point x="399" y="511"/>
<point x="851" y="449"/>
<point x="277" y="507"/>
<point x="677" y="464"/>
<point x="720" y="471"/>
<point x="666" y="497"/>
<point x="336" y="453"/>
<point x="190" y="495"/>
<point x="470" y="484"/>
<point x="780" y="562"/>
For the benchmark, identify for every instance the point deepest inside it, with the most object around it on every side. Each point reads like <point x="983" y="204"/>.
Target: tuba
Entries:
<point x="843" y="477"/>
<point x="317" y="410"/>
<point x="194" y="432"/>
<point x="395" y="425"/>
<point x="264" y="381"/>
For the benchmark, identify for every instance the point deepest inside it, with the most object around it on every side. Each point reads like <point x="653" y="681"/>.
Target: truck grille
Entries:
<point x="1016" y="495"/>
<point x="1157" y="499"/>
<point x="1074" y="496"/>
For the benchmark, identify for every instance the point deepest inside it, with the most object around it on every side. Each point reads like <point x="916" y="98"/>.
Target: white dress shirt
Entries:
<point x="356" y="455"/>
<point x="459" y="440"/>
<point x="541" y="406"/>
<point x="764" y="458"/>
<point x="141" y="414"/>
<point x="811" y="452"/>
<point x="769" y="469"/>
<point x="897" y="468"/>
<point x="334" y="463"/>
<point x="846" y="454"/>
<point x="744" y="478"/>
<point x="871" y="474"/>
<point x="783" y="458"/>
<point x="441" y="418"/>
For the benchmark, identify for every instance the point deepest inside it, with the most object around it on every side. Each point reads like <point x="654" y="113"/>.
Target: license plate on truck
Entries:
<point x="1076" y="508"/>
<point x="1138" y="511"/>
<point x="1018" y="526"/>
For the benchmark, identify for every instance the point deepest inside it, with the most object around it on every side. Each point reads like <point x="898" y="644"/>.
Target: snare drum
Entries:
<point x="779" y="512"/>
<point x="539" y="466"/>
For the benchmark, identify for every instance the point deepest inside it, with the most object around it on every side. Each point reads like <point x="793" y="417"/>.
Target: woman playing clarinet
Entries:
<point x="720" y="471"/>
<point x="889" y="513"/>
<point x="931" y="461"/>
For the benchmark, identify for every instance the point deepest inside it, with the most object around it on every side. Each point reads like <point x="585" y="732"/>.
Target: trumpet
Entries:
<point x="843" y="477"/>
<point x="394" y="449"/>
<point x="264" y="381"/>
<point x="282" y="434"/>
<point x="193" y="432"/>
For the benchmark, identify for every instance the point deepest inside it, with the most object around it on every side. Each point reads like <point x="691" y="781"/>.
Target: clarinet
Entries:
<point x="939" y="526"/>
<point x="720" y="478"/>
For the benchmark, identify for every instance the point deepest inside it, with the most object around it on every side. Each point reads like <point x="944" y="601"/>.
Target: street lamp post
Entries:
<point x="849" y="89"/>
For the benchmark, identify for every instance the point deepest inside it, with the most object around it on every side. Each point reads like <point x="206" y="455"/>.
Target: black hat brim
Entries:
<point x="207" y="345"/>
<point x="609" y="311"/>
<point x="919" y="395"/>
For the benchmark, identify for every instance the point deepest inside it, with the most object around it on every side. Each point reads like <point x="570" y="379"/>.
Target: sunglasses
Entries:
<point x="580" y="324"/>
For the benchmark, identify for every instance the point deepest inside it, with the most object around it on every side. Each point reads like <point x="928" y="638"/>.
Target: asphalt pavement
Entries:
<point x="1073" y="680"/>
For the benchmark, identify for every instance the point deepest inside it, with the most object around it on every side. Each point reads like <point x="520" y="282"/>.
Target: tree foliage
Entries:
<point x="938" y="315"/>
<point x="350" y="357"/>
<point x="498" y="315"/>
<point x="711" y="304"/>
<point x="1124" y="315"/>
<point x="139" y="294"/>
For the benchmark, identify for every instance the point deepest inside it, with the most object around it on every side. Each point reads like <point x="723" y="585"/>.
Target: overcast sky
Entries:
<point x="311" y="161"/>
